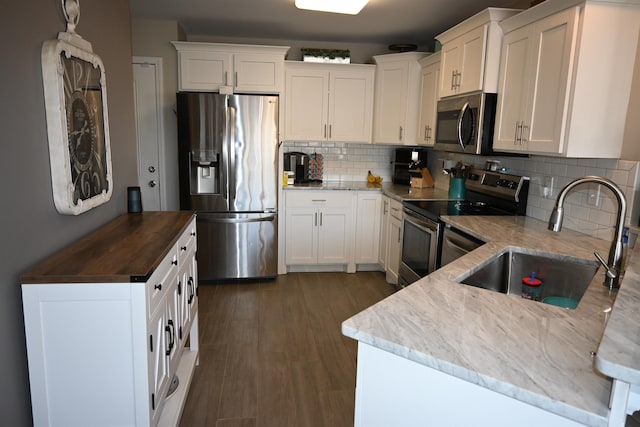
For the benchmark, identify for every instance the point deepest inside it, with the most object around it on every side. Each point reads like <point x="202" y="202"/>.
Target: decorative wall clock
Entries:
<point x="77" y="123"/>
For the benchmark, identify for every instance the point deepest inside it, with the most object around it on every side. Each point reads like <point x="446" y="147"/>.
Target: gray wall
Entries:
<point x="31" y="228"/>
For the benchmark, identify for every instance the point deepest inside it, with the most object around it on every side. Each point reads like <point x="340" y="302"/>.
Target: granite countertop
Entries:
<point x="395" y="191"/>
<point x="533" y="352"/>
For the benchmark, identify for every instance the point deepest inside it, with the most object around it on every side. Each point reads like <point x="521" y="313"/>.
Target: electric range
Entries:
<point x="487" y="193"/>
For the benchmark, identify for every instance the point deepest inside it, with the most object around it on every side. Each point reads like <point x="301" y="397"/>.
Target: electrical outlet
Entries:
<point x="593" y="195"/>
<point x="547" y="187"/>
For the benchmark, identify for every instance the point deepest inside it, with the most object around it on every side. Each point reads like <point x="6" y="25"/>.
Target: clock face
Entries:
<point x="85" y="130"/>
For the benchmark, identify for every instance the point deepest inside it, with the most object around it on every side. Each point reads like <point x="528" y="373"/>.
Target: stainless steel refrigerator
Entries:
<point x="227" y="149"/>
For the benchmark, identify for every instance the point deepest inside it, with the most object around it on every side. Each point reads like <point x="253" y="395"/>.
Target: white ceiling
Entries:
<point x="381" y="21"/>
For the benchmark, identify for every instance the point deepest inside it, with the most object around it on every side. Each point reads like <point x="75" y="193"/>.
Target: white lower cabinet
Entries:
<point x="384" y="232"/>
<point x="434" y="398"/>
<point x="368" y="218"/>
<point x="103" y="352"/>
<point x="394" y="241"/>
<point x="318" y="227"/>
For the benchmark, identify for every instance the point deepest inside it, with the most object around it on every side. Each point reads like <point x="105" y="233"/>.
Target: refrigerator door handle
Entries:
<point x="225" y="155"/>
<point x="232" y="154"/>
<point x="235" y="220"/>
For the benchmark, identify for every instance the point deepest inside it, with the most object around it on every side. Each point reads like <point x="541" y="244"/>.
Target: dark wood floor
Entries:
<point x="272" y="353"/>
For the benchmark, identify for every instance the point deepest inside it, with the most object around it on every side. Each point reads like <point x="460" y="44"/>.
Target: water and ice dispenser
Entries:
<point x="204" y="173"/>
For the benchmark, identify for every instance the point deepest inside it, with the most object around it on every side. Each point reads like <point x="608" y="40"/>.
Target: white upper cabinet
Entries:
<point x="397" y="99"/>
<point x="429" y="82"/>
<point x="565" y="78"/>
<point x="328" y="102"/>
<point x="230" y="67"/>
<point x="471" y="53"/>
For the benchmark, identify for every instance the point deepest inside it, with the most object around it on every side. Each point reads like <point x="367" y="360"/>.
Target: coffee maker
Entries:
<point x="405" y="159"/>
<point x="298" y="163"/>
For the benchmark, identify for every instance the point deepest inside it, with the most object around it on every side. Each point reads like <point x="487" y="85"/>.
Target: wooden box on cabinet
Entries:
<point x="230" y="67"/>
<point x="107" y="320"/>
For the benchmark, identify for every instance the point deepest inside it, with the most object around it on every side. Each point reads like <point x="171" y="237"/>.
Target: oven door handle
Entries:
<point x="422" y="225"/>
<point x="463" y="111"/>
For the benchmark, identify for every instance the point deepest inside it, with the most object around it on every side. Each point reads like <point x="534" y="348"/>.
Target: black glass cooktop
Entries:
<point x="435" y="209"/>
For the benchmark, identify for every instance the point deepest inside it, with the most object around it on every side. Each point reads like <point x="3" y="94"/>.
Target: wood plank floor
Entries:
<point x="272" y="353"/>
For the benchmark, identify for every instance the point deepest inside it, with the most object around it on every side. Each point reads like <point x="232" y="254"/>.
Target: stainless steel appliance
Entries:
<point x="456" y="243"/>
<point x="405" y="159"/>
<point x="227" y="149"/>
<point x="488" y="193"/>
<point x="464" y="123"/>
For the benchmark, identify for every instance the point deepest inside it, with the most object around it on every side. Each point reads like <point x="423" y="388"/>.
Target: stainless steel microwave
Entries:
<point x="464" y="123"/>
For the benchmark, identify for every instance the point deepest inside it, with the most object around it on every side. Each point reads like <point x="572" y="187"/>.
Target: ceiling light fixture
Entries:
<point x="351" y="7"/>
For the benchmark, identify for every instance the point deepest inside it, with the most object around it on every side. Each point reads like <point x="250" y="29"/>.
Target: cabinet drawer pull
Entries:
<point x="183" y="248"/>
<point x="318" y="200"/>
<point x="174" y="262"/>
<point x="158" y="286"/>
<point x="193" y="233"/>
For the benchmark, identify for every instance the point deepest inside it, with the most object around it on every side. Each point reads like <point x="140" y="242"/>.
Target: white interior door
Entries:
<point x="147" y="84"/>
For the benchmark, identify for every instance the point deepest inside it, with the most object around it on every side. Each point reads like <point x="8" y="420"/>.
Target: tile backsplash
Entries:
<point x="587" y="209"/>
<point x="348" y="161"/>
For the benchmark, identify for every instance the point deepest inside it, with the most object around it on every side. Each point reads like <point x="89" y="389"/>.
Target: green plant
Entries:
<point x="326" y="53"/>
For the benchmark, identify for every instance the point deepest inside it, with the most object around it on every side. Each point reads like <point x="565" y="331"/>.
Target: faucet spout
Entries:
<point x="613" y="266"/>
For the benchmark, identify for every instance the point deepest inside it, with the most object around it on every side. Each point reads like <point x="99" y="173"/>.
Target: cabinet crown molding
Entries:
<point x="230" y="48"/>
<point x="487" y="16"/>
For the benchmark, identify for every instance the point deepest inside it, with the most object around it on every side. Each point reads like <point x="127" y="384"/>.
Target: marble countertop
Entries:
<point x="537" y="353"/>
<point x="395" y="191"/>
<point x="619" y="351"/>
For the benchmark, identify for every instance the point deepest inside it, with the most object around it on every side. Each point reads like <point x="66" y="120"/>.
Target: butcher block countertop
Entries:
<point x="127" y="249"/>
<point x="533" y="352"/>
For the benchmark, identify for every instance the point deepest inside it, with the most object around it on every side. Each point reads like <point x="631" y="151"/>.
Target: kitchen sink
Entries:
<point x="564" y="279"/>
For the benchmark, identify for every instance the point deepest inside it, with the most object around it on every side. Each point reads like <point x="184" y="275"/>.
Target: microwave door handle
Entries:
<point x="463" y="111"/>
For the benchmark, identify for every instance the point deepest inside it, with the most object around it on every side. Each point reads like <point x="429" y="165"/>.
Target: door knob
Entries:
<point x="152" y="183"/>
<point x="152" y="169"/>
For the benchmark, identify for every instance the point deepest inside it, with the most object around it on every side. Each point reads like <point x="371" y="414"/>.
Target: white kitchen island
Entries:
<point x="442" y="353"/>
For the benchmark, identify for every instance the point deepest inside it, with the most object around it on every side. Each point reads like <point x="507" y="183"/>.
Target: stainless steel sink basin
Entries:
<point x="564" y="277"/>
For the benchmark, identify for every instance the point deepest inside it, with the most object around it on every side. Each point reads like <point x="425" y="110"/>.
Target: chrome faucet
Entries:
<point x="613" y="266"/>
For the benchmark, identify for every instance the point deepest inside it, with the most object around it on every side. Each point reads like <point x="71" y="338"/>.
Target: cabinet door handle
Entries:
<point x="330" y="128"/>
<point x="190" y="284"/>
<point x="453" y="79"/>
<point x="523" y="136"/>
<point x="401" y="130"/>
<point x="158" y="286"/>
<point x="399" y="230"/>
<point x="235" y="76"/>
<point x="515" y="135"/>
<point x="320" y="219"/>
<point x="170" y="328"/>
<point x="325" y="131"/>
<point x="183" y="248"/>
<point x="386" y="208"/>
<point x="458" y="79"/>
<point x="226" y="78"/>
<point x="315" y="219"/>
